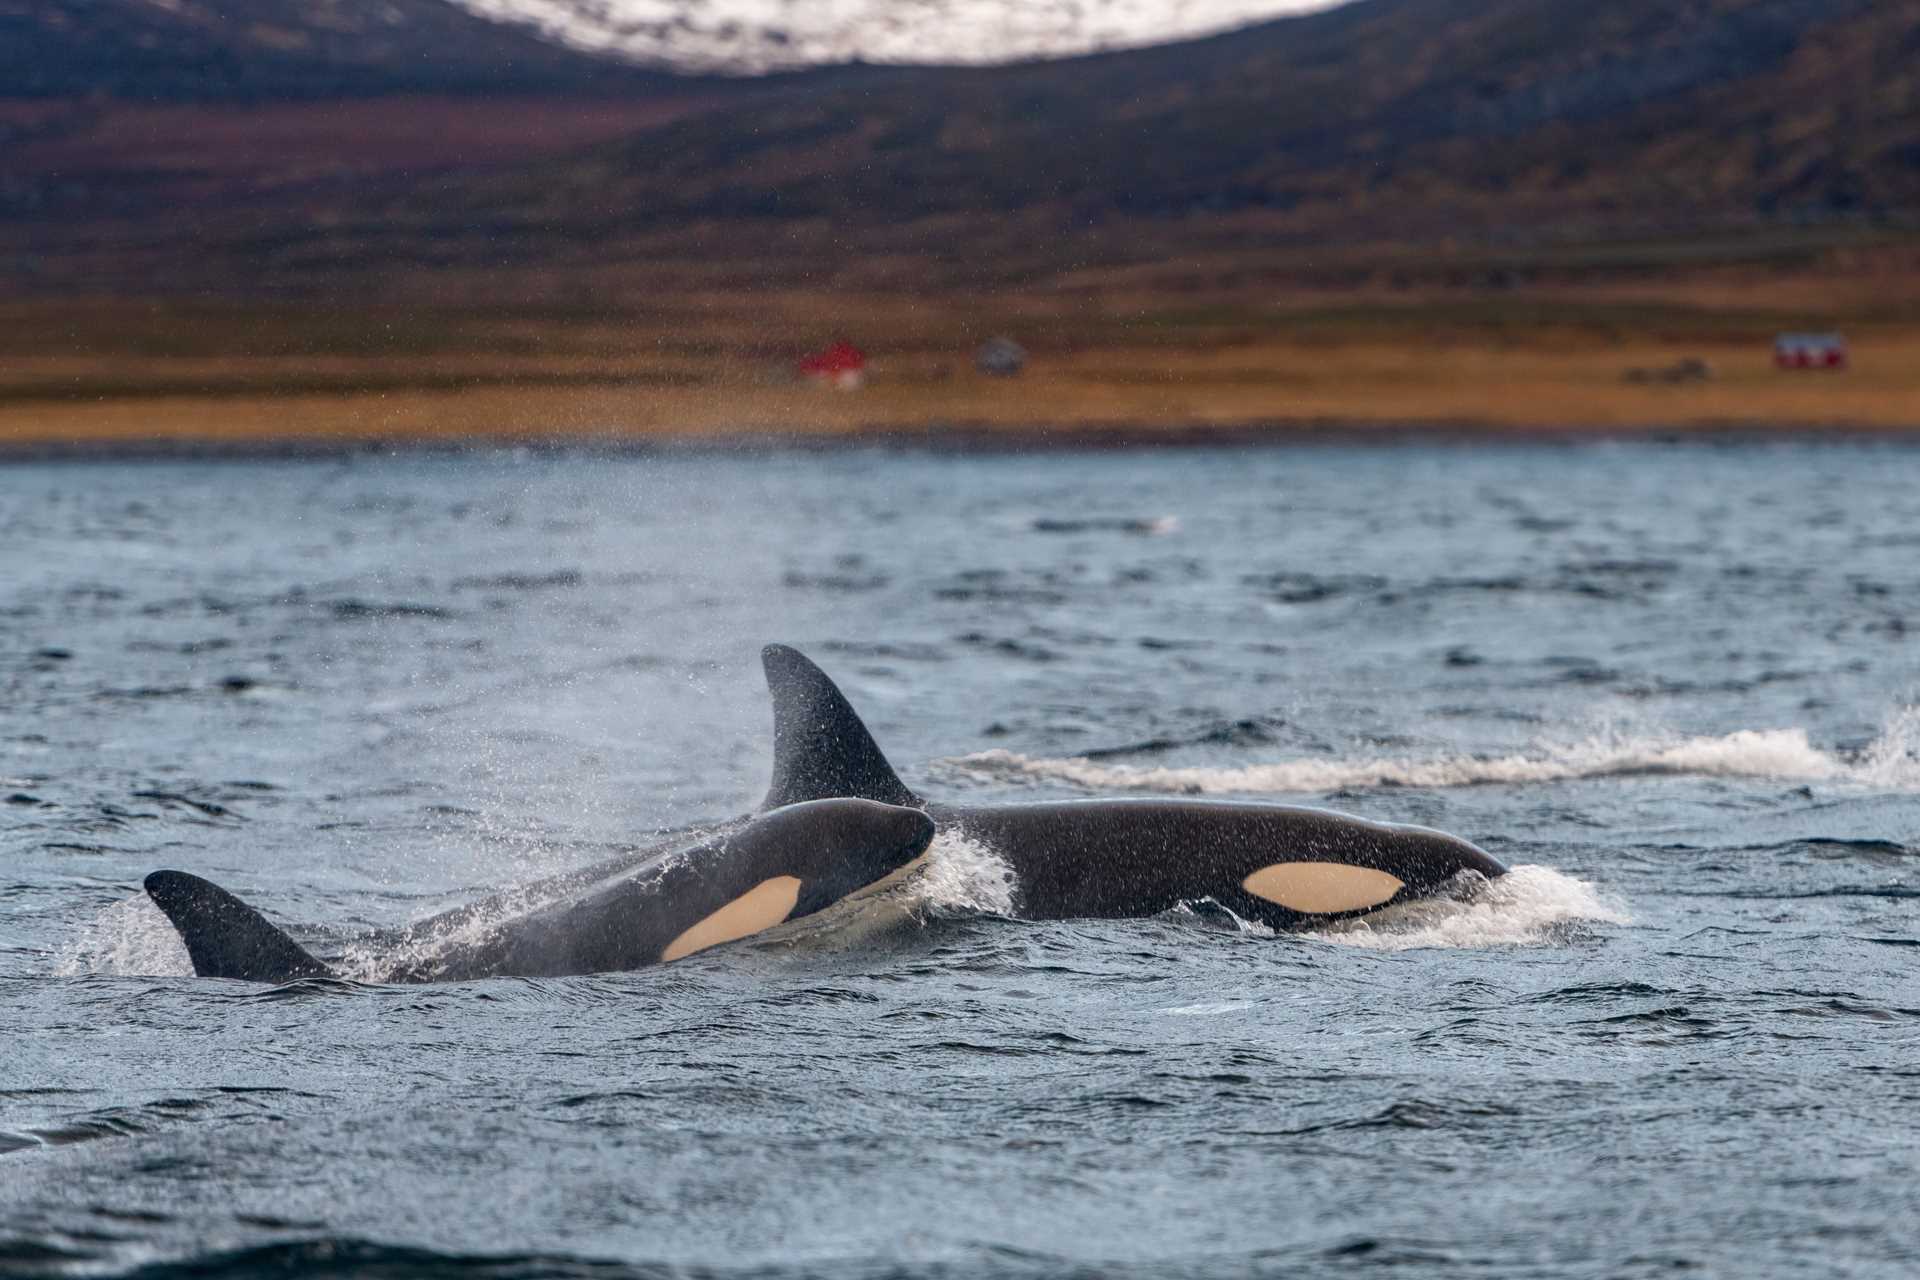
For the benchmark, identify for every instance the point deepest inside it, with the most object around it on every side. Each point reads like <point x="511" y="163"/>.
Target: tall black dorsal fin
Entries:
<point x="226" y="937"/>
<point x="821" y="751"/>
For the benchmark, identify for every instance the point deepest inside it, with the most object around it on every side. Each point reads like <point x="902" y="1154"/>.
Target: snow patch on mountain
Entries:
<point x="762" y="35"/>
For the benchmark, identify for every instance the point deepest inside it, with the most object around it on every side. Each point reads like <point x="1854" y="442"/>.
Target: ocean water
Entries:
<point x="1673" y="686"/>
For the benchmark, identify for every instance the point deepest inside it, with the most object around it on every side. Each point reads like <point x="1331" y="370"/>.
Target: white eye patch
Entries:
<point x="758" y="909"/>
<point x="1322" y="888"/>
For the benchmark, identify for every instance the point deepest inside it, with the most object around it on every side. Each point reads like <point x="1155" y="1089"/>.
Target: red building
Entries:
<point x="842" y="366"/>
<point x="1810" y="351"/>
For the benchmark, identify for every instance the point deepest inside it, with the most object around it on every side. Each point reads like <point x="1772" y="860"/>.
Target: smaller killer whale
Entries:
<point x="1284" y="866"/>
<point x="782" y="865"/>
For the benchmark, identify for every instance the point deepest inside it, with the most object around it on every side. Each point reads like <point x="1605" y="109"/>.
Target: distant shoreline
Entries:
<point x="127" y="379"/>
<point x="1029" y="438"/>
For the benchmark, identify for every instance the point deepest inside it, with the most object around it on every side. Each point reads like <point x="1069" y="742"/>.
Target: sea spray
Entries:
<point x="963" y="876"/>
<point x="129" y="938"/>
<point x="956" y="877"/>
<point x="1892" y="760"/>
<point x="1529" y="906"/>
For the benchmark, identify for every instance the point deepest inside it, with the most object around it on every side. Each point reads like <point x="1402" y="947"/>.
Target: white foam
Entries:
<point x="1528" y="906"/>
<point x="131" y="938"/>
<point x="1786" y="754"/>
<point x="366" y="961"/>
<point x="956" y="876"/>
<point x="962" y="876"/>
<point x="1208" y="1010"/>
<point x="1892" y="761"/>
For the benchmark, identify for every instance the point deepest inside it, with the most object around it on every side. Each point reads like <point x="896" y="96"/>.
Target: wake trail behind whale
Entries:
<point x="1891" y="762"/>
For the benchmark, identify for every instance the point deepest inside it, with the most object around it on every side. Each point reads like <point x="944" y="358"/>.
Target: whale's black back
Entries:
<point x="1089" y="859"/>
<point x="780" y="866"/>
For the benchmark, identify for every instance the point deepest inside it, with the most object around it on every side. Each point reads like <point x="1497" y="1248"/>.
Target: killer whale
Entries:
<point x="1282" y="865"/>
<point x="781" y="865"/>
<point x="1285" y="866"/>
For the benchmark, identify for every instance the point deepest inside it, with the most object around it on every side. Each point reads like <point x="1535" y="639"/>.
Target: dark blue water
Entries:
<point x="1670" y="685"/>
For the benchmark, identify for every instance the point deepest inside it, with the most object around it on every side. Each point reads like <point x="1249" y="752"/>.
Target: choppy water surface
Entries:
<point x="1670" y="684"/>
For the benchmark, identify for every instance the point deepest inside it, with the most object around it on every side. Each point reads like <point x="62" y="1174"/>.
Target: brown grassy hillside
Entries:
<point x="1459" y="211"/>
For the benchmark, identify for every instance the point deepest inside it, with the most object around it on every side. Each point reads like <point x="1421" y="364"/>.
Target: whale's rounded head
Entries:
<point x="1447" y="856"/>
<point x="1429" y="861"/>
<point x="840" y="847"/>
<point x="803" y="858"/>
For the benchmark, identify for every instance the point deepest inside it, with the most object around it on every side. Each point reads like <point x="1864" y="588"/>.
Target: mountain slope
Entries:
<point x="1385" y="122"/>
<point x="199" y="50"/>
<point x="255" y="49"/>
<point x="1390" y="111"/>
<point x="755" y="35"/>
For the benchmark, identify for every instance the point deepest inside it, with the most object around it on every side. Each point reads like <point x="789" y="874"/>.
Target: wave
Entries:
<point x="1891" y="762"/>
<point x="339" y="1256"/>
<point x="1529" y="906"/>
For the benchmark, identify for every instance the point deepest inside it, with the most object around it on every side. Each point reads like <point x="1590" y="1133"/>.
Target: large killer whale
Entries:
<point x="1285" y="866"/>
<point x="781" y="865"/>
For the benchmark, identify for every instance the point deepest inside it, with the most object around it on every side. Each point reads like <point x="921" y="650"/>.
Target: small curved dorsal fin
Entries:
<point x="821" y="750"/>
<point x="226" y="937"/>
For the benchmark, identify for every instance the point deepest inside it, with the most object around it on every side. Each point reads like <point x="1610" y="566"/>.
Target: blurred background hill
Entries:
<point x="1636" y="174"/>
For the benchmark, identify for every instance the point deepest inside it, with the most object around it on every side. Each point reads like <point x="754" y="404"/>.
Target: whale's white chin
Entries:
<point x="892" y="880"/>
